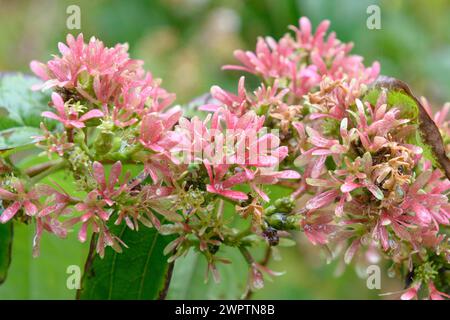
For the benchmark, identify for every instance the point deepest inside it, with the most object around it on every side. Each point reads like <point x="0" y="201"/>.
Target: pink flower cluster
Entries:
<point x="357" y="173"/>
<point x="366" y="181"/>
<point x="111" y="113"/>
<point x="105" y="77"/>
<point x="226" y="141"/>
<point x="303" y="61"/>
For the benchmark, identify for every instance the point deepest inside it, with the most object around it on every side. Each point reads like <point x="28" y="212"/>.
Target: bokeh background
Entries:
<point x="185" y="42"/>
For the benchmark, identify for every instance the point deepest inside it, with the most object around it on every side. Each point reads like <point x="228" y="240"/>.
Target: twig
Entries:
<point x="35" y="170"/>
<point x="165" y="289"/>
<point x="52" y="169"/>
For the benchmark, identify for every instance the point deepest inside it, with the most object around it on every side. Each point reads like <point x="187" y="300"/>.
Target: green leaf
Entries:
<point x="20" y="110"/>
<point x="6" y="239"/>
<point x="17" y="137"/>
<point x="140" y="272"/>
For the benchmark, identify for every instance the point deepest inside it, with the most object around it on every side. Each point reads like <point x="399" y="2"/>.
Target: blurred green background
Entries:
<point x="185" y="42"/>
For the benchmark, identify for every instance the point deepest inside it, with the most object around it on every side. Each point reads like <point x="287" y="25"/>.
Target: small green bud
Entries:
<point x="293" y="222"/>
<point x="117" y="143"/>
<point x="79" y="137"/>
<point x="285" y="204"/>
<point x="277" y="221"/>
<point x="280" y="221"/>
<point x="84" y="79"/>
<point x="192" y="167"/>
<point x="104" y="142"/>
<point x="270" y="210"/>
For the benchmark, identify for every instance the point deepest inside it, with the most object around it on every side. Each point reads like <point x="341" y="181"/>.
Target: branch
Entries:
<point x="60" y="164"/>
<point x="41" y="167"/>
<point x="165" y="289"/>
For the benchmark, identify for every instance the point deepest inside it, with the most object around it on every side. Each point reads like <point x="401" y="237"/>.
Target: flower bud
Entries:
<point x="285" y="204"/>
<point x="104" y="142"/>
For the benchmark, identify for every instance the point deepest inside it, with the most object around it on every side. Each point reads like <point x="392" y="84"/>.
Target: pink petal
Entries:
<point x="238" y="178"/>
<point x="114" y="175"/>
<point x="349" y="186"/>
<point x="261" y="193"/>
<point x="51" y="115"/>
<point x="384" y="237"/>
<point x="63" y="48"/>
<point x="92" y="114"/>
<point x="305" y="29"/>
<point x="321" y="200"/>
<point x="10" y="212"/>
<point x="39" y="69"/>
<point x="377" y="193"/>
<point x="6" y="195"/>
<point x="82" y="235"/>
<point x="235" y="195"/>
<point x="99" y="174"/>
<point x="30" y="208"/>
<point x="74" y="123"/>
<point x="209" y="107"/>
<point x="58" y="103"/>
<point x="422" y="213"/>
<point x="352" y="249"/>
<point x="37" y="237"/>
<point x="47" y="210"/>
<point x="411" y="293"/>
<point x="288" y="174"/>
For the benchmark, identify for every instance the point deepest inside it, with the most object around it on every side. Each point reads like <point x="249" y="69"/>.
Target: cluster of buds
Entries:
<point x="347" y="149"/>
